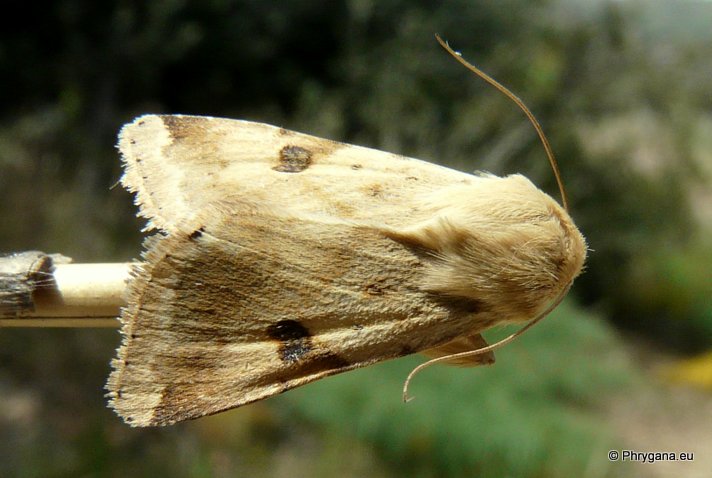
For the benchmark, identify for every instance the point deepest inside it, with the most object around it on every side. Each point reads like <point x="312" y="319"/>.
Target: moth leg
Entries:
<point x="464" y="343"/>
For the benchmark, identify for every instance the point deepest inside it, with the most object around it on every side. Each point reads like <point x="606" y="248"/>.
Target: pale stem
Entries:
<point x="72" y="295"/>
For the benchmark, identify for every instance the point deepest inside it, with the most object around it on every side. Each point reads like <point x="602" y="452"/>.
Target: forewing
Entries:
<point x="240" y="303"/>
<point x="179" y="164"/>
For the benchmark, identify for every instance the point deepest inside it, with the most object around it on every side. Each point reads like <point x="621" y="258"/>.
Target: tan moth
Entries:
<point x="282" y="258"/>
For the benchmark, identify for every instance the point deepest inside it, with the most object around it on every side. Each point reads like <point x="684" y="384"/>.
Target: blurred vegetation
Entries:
<point x="622" y="89"/>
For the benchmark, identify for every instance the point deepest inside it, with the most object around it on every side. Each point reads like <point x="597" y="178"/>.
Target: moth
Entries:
<point x="280" y="258"/>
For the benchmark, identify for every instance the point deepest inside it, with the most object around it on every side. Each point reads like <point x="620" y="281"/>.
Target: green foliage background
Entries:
<point x="622" y="89"/>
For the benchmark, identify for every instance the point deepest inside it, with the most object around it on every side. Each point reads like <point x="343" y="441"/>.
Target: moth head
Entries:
<point x="537" y="251"/>
<point x="504" y="250"/>
<point x="521" y="266"/>
<point x="500" y="246"/>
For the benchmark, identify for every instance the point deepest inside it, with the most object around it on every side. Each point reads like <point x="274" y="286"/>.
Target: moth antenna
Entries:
<point x="564" y="200"/>
<point x="503" y="89"/>
<point x="496" y="345"/>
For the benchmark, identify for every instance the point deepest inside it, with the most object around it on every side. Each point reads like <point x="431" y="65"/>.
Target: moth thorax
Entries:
<point x="511" y="260"/>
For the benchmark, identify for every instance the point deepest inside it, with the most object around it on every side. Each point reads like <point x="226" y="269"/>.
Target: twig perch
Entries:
<point x="41" y="290"/>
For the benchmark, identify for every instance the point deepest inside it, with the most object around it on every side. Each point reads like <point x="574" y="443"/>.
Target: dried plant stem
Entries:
<point x="65" y="295"/>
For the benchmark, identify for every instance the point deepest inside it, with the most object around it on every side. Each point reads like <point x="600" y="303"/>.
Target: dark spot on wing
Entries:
<point x="379" y="286"/>
<point x="293" y="159"/>
<point x="294" y="338"/>
<point x="197" y="233"/>
<point x="286" y="330"/>
<point x="356" y="166"/>
<point x="374" y="289"/>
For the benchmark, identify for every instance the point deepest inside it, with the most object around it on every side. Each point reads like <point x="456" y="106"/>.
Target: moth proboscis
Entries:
<point x="281" y="258"/>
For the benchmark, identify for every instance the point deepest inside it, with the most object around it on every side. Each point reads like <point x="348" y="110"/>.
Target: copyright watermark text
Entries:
<point x="650" y="456"/>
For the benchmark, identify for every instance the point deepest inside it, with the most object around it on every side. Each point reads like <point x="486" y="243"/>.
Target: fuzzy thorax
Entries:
<point x="504" y="244"/>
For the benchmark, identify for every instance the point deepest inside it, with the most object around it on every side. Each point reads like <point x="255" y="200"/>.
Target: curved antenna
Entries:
<point x="522" y="106"/>
<point x="557" y="175"/>
<point x="496" y="345"/>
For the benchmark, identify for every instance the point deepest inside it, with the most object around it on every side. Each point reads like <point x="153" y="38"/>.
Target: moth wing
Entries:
<point x="465" y="343"/>
<point x="240" y="304"/>
<point x="178" y="164"/>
